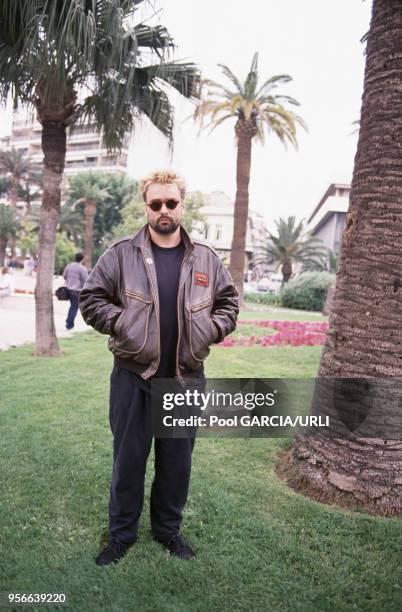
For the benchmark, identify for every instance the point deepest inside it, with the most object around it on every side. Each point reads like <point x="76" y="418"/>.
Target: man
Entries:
<point x="163" y="299"/>
<point x="75" y="275"/>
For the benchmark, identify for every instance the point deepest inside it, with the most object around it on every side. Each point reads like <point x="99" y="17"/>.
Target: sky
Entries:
<point x="316" y="42"/>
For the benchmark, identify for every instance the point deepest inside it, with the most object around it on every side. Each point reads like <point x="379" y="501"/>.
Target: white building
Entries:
<point x="218" y="210"/>
<point x="85" y="149"/>
<point x="328" y="219"/>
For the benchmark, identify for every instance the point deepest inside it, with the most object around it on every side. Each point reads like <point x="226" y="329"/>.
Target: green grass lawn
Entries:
<point x="278" y="313"/>
<point x="260" y="545"/>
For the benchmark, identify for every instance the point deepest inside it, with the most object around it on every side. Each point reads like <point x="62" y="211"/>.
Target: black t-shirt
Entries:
<point x="167" y="265"/>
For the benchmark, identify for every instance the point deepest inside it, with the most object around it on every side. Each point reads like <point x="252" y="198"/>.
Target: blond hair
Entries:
<point x="163" y="177"/>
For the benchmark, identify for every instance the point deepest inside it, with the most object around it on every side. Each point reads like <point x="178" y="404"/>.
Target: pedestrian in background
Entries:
<point x="75" y="274"/>
<point x="6" y="282"/>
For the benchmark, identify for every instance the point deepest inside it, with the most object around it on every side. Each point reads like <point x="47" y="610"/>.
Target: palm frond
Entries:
<point x="288" y="244"/>
<point x="156" y="106"/>
<point x="273" y="82"/>
<point x="268" y="112"/>
<point x="182" y="76"/>
<point x="210" y="89"/>
<point x="155" y="38"/>
<point x="251" y="80"/>
<point x="218" y="108"/>
<point x="232" y="77"/>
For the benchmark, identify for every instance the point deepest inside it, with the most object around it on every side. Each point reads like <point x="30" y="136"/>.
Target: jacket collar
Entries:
<point x="142" y="239"/>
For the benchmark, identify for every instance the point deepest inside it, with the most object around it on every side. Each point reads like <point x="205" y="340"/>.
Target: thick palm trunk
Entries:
<point x="365" y="337"/>
<point x="89" y="214"/>
<point x="287" y="272"/>
<point x="244" y="133"/>
<point x="54" y="149"/>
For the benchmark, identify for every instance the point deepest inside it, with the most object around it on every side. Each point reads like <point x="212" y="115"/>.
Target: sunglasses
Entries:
<point x="156" y="205"/>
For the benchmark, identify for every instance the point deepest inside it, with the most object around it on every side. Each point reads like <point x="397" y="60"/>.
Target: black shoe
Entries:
<point x="178" y="547"/>
<point x="113" y="552"/>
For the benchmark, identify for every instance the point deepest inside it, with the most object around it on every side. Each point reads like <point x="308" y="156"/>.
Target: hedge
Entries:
<point x="267" y="299"/>
<point x="307" y="291"/>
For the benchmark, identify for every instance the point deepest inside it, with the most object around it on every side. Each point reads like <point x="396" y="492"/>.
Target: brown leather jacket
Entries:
<point x="120" y="298"/>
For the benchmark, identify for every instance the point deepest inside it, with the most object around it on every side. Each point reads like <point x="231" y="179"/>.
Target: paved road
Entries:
<point x="17" y="314"/>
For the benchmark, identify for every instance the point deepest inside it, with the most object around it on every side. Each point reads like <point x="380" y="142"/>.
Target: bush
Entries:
<point x="65" y="251"/>
<point x="268" y="299"/>
<point x="307" y="291"/>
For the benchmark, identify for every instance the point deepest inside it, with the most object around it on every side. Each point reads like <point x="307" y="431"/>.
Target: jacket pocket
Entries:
<point x="201" y="332"/>
<point x="131" y="329"/>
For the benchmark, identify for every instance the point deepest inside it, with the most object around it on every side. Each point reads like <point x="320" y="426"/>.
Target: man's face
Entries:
<point x="165" y="221"/>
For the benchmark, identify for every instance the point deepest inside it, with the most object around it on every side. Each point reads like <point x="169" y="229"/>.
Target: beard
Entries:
<point x="165" y="228"/>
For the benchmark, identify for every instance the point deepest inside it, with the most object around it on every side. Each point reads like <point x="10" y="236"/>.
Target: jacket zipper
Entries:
<point x="137" y="296"/>
<point x="198" y="307"/>
<point x="154" y="294"/>
<point x="181" y="286"/>
<point x="179" y="376"/>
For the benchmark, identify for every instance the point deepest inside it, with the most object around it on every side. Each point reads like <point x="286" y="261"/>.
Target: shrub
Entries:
<point x="268" y="299"/>
<point x="307" y="291"/>
<point x="65" y="251"/>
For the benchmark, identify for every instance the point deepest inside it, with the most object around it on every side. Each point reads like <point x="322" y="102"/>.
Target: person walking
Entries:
<point x="163" y="299"/>
<point x="75" y="274"/>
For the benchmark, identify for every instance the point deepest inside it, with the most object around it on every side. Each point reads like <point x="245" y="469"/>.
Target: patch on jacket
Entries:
<point x="201" y="279"/>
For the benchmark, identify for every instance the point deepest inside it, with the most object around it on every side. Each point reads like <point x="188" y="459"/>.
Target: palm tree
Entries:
<point x="362" y="357"/>
<point x="329" y="263"/>
<point x="70" y="222"/>
<point x="84" y="189"/>
<point x="258" y="110"/>
<point x="5" y="185"/>
<point x="18" y="166"/>
<point x="83" y="61"/>
<point x="288" y="246"/>
<point x="30" y="190"/>
<point x="9" y="226"/>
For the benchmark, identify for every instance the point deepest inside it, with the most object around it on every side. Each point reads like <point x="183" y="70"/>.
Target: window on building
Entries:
<point x="218" y="232"/>
<point x="206" y="233"/>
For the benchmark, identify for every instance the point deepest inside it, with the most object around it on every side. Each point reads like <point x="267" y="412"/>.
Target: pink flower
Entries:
<point x="293" y="333"/>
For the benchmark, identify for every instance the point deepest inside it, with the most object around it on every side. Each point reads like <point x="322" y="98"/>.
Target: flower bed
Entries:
<point x="24" y="291"/>
<point x="293" y="333"/>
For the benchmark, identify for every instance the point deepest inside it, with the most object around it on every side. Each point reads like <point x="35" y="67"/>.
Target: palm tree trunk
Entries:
<point x="14" y="192"/>
<point x="3" y="246"/>
<point x="287" y="271"/>
<point x="89" y="214"/>
<point x="13" y="202"/>
<point x="54" y="149"/>
<point x="365" y="339"/>
<point x="12" y="241"/>
<point x="236" y="266"/>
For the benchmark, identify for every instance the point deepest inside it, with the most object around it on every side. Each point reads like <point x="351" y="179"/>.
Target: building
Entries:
<point x="328" y="219"/>
<point x="85" y="149"/>
<point x="218" y="210"/>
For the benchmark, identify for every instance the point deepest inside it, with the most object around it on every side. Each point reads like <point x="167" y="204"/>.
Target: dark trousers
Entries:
<point x="130" y="422"/>
<point x="72" y="312"/>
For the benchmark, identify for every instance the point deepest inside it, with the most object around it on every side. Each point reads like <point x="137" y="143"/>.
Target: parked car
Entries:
<point x="263" y="284"/>
<point x="249" y="287"/>
<point x="272" y="284"/>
